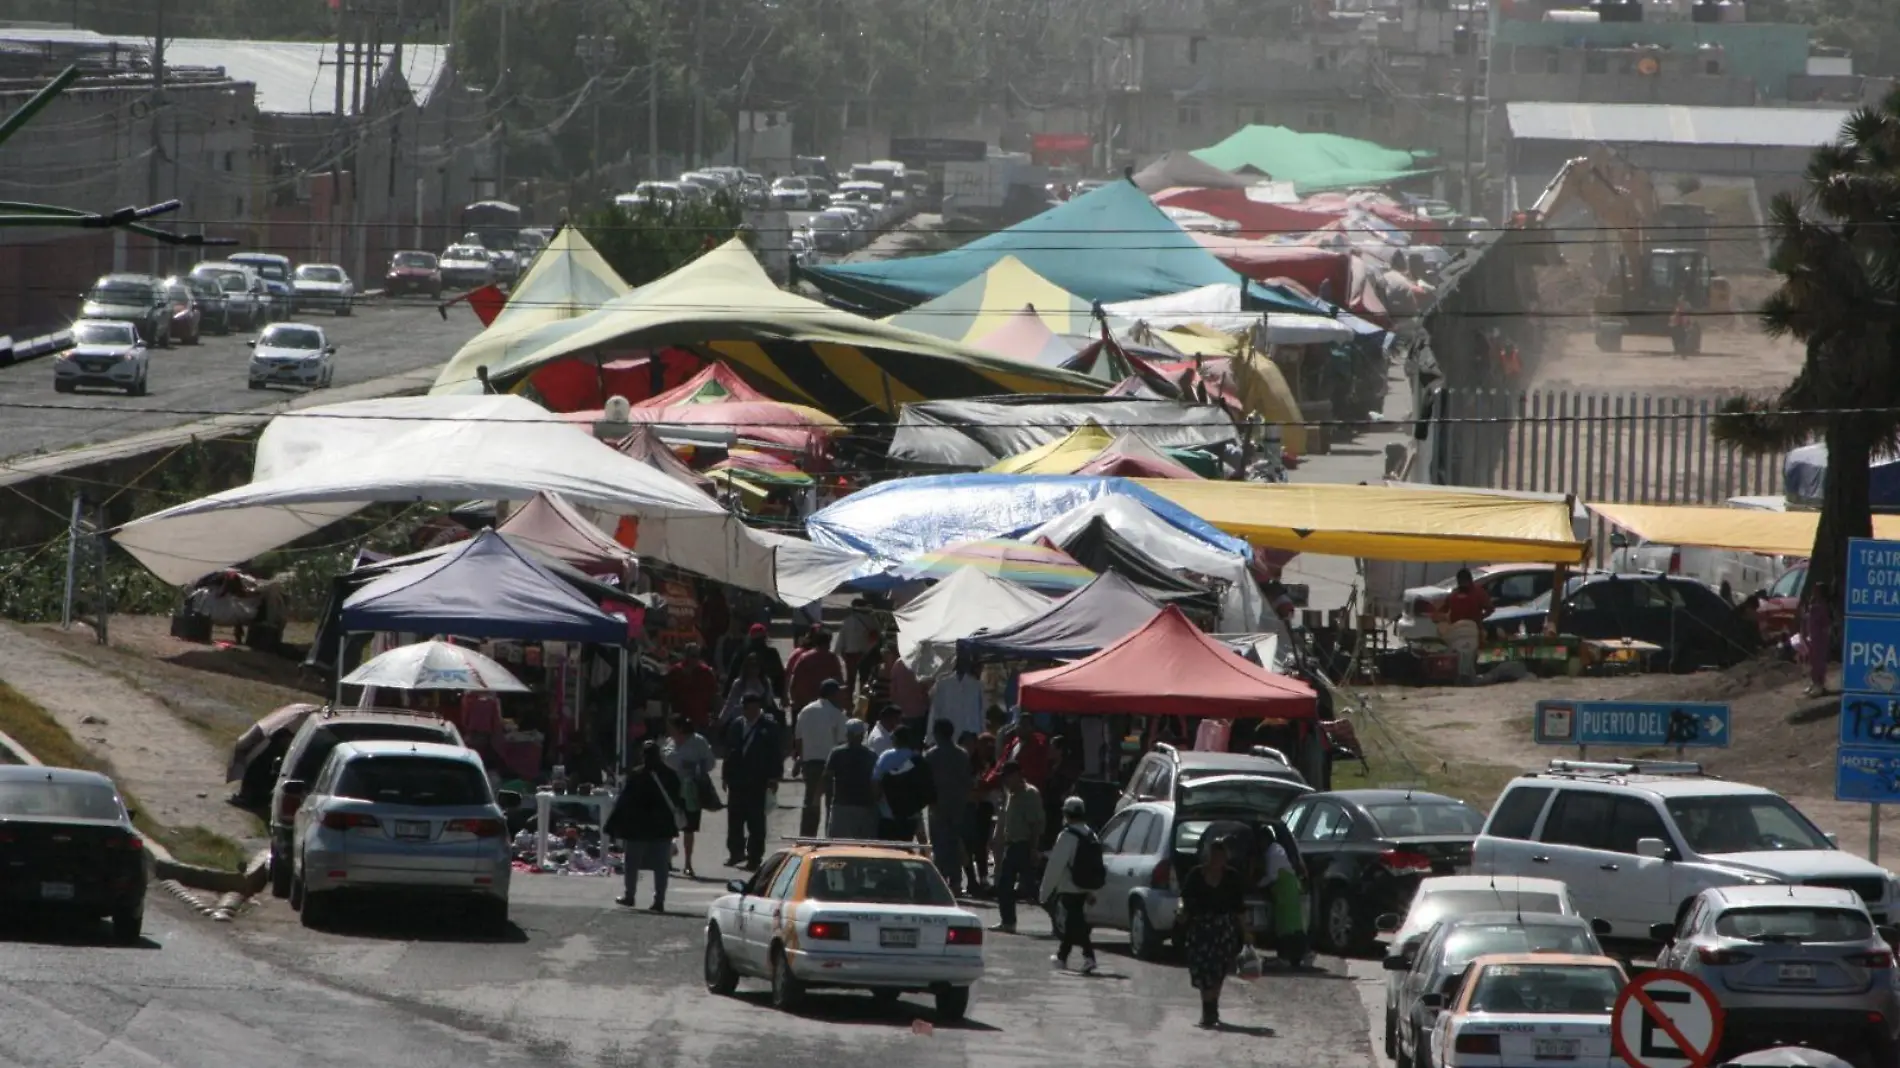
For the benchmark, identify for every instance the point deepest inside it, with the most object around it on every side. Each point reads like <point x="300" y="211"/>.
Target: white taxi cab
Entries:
<point x="853" y="915"/>
<point x="1529" y="1009"/>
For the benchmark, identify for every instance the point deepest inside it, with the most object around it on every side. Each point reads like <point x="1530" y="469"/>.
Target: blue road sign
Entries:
<point x="1867" y="774"/>
<point x="1642" y="724"/>
<point x="1873" y="578"/>
<point x="1870" y="656"/>
<point x="1870" y="720"/>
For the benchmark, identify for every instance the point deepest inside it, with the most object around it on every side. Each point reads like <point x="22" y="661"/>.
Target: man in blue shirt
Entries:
<point x="895" y="780"/>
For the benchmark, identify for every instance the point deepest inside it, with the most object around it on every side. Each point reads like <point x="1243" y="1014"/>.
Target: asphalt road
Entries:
<point x="378" y="340"/>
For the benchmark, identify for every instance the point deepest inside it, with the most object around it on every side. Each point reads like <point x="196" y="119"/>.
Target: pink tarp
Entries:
<point x="1311" y="266"/>
<point x="551" y="525"/>
<point x="1027" y="338"/>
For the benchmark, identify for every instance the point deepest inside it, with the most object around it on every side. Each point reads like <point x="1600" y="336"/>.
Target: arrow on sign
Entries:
<point x="1713" y="725"/>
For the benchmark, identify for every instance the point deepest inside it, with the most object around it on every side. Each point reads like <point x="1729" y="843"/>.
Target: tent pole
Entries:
<point x="620" y="719"/>
<point x="342" y="639"/>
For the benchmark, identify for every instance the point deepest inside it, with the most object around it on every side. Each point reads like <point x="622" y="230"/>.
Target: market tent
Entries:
<point x="1096" y="615"/>
<point x="485" y="588"/>
<point x="569" y="279"/>
<point x="644" y="445"/>
<point x="1167" y="668"/>
<point x="1132" y="456"/>
<point x="1256" y="216"/>
<point x="724" y="307"/>
<point x="1313" y="162"/>
<point x="556" y="528"/>
<point x="1092" y="450"/>
<point x="1747" y="530"/>
<point x="1381" y="522"/>
<point x="1322" y="270"/>
<point x="1222" y="308"/>
<point x="1108" y="244"/>
<point x="1242" y="605"/>
<point x="1804" y="472"/>
<point x="1098" y="548"/>
<point x="1177" y="169"/>
<point x="978" y="433"/>
<point x="929" y="626"/>
<point x="1024" y="336"/>
<point x="986" y="302"/>
<point x="715" y="383"/>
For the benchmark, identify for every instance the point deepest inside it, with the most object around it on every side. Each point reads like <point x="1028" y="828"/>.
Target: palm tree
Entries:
<point x="1837" y="249"/>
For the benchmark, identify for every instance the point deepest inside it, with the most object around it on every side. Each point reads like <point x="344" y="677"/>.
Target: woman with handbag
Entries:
<point x="646" y="817"/>
<point x="690" y="756"/>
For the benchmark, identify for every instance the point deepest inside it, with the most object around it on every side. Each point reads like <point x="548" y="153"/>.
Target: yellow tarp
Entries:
<point x="1746" y="530"/>
<point x="1059" y="457"/>
<point x="1382" y="522"/>
<point x="1264" y="391"/>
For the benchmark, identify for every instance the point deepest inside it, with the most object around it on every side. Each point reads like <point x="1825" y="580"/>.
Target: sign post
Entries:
<point x="1666" y="1019"/>
<point x="1632" y="724"/>
<point x="1867" y="762"/>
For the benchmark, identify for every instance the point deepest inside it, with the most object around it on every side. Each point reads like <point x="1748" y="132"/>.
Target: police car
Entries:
<point x="1528" y="1009"/>
<point x="845" y="914"/>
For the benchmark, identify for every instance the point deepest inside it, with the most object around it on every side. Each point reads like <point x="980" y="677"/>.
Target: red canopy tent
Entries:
<point x="1309" y="265"/>
<point x="1168" y="668"/>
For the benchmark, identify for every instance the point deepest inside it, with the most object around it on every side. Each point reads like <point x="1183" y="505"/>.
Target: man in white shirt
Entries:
<point x="884" y="735"/>
<point x="819" y="730"/>
<point x="959" y="699"/>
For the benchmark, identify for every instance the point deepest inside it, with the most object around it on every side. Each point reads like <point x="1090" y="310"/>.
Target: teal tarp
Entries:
<point x="1313" y="162"/>
<point x="1110" y="244"/>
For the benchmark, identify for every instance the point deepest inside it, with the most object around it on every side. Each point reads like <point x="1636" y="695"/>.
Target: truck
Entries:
<point x="1002" y="189"/>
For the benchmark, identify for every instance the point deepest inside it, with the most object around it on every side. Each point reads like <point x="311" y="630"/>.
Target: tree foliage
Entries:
<point x="644" y="244"/>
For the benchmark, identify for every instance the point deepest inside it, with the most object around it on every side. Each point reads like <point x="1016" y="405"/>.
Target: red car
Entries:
<point x="1779" y="613"/>
<point x="413" y="272"/>
<point x="187" y="316"/>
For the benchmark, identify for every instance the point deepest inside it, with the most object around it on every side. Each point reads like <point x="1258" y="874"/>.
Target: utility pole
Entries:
<point x="699" y="83"/>
<point x="596" y="52"/>
<point x="1468" y="169"/>
<point x="653" y="110"/>
<point x="158" y="108"/>
<point x="501" y="79"/>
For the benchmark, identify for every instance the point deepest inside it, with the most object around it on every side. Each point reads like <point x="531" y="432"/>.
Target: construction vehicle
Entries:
<point x="1659" y="278"/>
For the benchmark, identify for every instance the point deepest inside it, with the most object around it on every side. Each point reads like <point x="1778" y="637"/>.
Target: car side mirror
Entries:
<point x="1833" y="839"/>
<point x="1654" y="848"/>
<point x="1387" y="922"/>
<point x="295" y="788"/>
<point x="1601" y="928"/>
<point x="331" y="349"/>
<point x="1662" y="932"/>
<point x="735" y="886"/>
<point x="1433" y="1000"/>
<point x="509" y="799"/>
<point x="1397" y="964"/>
<point x="1619" y="540"/>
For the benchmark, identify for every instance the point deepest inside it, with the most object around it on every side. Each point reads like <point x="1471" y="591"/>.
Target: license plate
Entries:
<point x="412" y="828"/>
<point x="1797" y="973"/>
<point x="1556" y="1049"/>
<point x="56" y="891"/>
<point x="897" y="937"/>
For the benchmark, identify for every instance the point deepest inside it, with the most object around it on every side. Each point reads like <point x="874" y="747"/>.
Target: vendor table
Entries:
<point x="544" y="801"/>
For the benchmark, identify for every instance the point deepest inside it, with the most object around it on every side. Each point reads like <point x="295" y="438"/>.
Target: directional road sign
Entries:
<point x="1642" y="724"/>
<point x="1666" y="1019"/>
<point x="1873" y="578"/>
<point x="1867" y="774"/>
<point x="1870" y="720"/>
<point x="1870" y="655"/>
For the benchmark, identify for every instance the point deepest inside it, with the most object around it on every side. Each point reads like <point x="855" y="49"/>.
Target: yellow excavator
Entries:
<point x="1659" y="280"/>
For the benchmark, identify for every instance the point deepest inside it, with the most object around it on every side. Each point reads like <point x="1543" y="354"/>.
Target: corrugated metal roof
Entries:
<point x="1672" y="124"/>
<point x="290" y="76"/>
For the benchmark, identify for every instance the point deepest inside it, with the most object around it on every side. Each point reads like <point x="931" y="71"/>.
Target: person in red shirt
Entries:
<point x="1467" y="601"/>
<point x="809" y="668"/>
<point x="691" y="688"/>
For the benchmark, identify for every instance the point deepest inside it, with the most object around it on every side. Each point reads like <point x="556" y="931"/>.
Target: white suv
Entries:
<point x="1637" y="842"/>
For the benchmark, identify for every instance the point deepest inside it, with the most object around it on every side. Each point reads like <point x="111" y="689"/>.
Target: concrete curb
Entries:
<point x="17" y="751"/>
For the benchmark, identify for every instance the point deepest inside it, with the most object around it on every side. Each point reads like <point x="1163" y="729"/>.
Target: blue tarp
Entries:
<point x="484" y="588"/>
<point x="1805" y="470"/>
<point x="896" y="520"/>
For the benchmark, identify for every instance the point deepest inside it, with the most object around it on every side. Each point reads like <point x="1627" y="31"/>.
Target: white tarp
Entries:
<point x="1242" y="607"/>
<point x="1219" y="306"/>
<point x="959" y="606"/>
<point x="319" y="465"/>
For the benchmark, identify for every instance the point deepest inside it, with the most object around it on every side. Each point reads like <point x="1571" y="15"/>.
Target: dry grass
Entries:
<point x="1400" y="753"/>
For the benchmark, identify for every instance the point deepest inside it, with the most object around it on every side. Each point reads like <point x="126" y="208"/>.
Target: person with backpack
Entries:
<point x="1074" y="872"/>
<point x="904" y="787"/>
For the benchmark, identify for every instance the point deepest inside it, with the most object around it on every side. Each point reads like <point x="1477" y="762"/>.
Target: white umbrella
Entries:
<point x="435" y="666"/>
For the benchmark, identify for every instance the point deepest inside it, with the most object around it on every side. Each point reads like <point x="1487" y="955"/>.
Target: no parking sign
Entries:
<point x="1666" y="1019"/>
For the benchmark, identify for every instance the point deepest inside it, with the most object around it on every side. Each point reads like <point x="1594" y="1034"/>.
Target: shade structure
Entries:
<point x="1093" y="450"/>
<point x="1322" y="270"/>
<point x="1109" y="244"/>
<point x="1183" y="169"/>
<point x="988" y="301"/>
<point x="723" y="306"/>
<point x="558" y="529"/>
<point x="1313" y="162"/>
<point x="1382" y="522"/>
<point x="1035" y="566"/>
<point x="1099" y="614"/>
<point x="485" y="588"/>
<point x="1099" y="548"/>
<point x="1167" y="668"/>
<point x="644" y="445"/>
<point x="1746" y="530"/>
<point x="568" y="280"/>
<point x="714" y="383"/>
<point x="929" y="626"/>
<point x="1256" y="216"/>
<point x="435" y="665"/>
<point x="1804" y="473"/>
<point x="763" y="467"/>
<point x="790" y="426"/>
<point x="1242" y="605"/>
<point x="1024" y="336"/>
<point x="979" y="433"/>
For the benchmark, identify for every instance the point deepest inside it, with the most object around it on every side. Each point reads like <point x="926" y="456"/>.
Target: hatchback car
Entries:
<point x="1161" y="774"/>
<point x="1791" y="965"/>
<point x="323" y="287"/>
<point x="466" y="267"/>
<point x="412" y="817"/>
<point x="138" y="299"/>
<point x="1366" y="851"/>
<point x="845" y="916"/>
<point x="413" y="272"/>
<point x="1443" y="896"/>
<point x="247" y="302"/>
<point x="275" y="271"/>
<point x="1545" y="1008"/>
<point x="292" y="354"/>
<point x="67" y="844"/>
<point x="106" y="353"/>
<point x="1692" y="624"/>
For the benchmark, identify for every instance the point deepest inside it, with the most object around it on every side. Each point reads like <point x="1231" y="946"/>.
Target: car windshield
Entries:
<point x="103" y="334"/>
<point x="179" y="294"/>
<point x="270" y="269"/>
<point x="320" y="274"/>
<point x="423" y="260"/>
<point x="205" y="287"/>
<point x="292" y="337"/>
<point x="1468" y="943"/>
<point x="121" y="293"/>
<point x="420" y="781"/>
<point x="1430" y="907"/>
<point x="1794" y="923"/>
<point x="795" y="184"/>
<point x="830" y="220"/>
<point x="1544" y="989"/>
<point x="883" y="880"/>
<point x="231" y="281"/>
<point x="1427" y="819"/>
<point x="1743" y="823"/>
<point x="60" y="800"/>
<point x="465" y="252"/>
<point x="1263" y="795"/>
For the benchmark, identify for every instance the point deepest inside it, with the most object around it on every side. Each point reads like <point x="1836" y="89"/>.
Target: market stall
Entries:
<point x="930" y="625"/>
<point x="1079" y="625"/>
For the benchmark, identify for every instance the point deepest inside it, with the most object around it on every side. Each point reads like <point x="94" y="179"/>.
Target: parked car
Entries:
<point x="67" y="845"/>
<point x="1637" y="842"/>
<point x="293" y="354"/>
<point x="506" y="266"/>
<point x="654" y="194"/>
<point x="703" y="185"/>
<point x="412" y="817"/>
<point x="1166" y="771"/>
<point x="1544" y="1008"/>
<point x="247" y="302"/>
<point x="845" y="916"/>
<point x="323" y="287"/>
<point x="1691" y="623"/>
<point x="792" y="194"/>
<point x="1742" y="571"/>
<point x="1442" y="956"/>
<point x="1791" y="965"/>
<point x="834" y="231"/>
<point x="105" y="352"/>
<point x="1367" y="850"/>
<point x="138" y="299"/>
<point x="466" y="267"/>
<point x="311" y="746"/>
<point x="187" y="323"/>
<point x="1778" y="614"/>
<point x="214" y="305"/>
<point x="1451" y="895"/>
<point x="1508" y="585"/>
<point x="875" y="198"/>
<point x="275" y="271"/>
<point x="412" y="271"/>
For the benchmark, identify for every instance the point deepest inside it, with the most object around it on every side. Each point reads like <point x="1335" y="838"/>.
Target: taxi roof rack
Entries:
<point x="914" y="847"/>
<point x="1625" y="767"/>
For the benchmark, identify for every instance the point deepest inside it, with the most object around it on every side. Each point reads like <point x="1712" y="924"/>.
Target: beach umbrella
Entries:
<point x="435" y="665"/>
<point x="1039" y="567"/>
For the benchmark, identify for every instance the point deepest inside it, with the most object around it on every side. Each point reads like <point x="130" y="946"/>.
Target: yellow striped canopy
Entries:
<point x="986" y="303"/>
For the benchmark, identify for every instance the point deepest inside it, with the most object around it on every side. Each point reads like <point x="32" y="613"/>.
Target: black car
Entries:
<point x="67" y="844"/>
<point x="1692" y="624"/>
<point x="212" y="302"/>
<point x="1366" y="850"/>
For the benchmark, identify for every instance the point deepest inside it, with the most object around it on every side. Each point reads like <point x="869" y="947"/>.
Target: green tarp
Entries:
<point x="1313" y="162"/>
<point x="1110" y="244"/>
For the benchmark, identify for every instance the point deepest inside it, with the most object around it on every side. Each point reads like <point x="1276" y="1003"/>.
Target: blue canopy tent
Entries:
<point x="1081" y="624"/>
<point x="1805" y="470"/>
